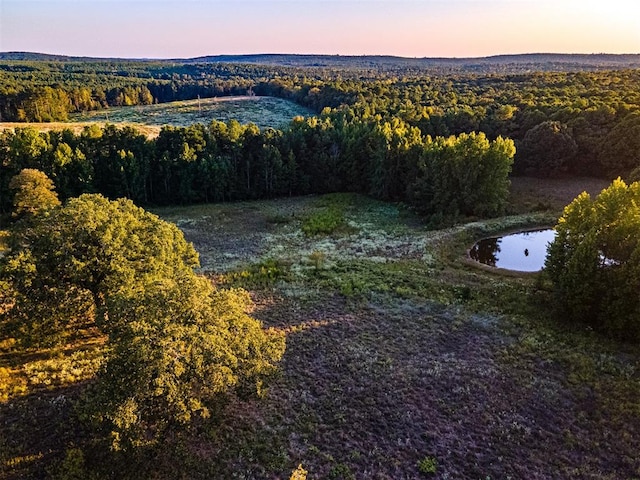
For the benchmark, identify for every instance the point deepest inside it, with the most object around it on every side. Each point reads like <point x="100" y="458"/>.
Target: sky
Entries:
<point x="408" y="28"/>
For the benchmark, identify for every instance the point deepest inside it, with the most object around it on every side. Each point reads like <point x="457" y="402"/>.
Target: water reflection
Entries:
<point x="523" y="252"/>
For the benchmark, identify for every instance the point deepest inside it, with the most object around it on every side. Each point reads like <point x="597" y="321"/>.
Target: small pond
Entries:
<point x="522" y="252"/>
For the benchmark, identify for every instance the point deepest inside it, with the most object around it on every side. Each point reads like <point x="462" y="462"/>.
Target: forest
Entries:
<point x="289" y="279"/>
<point x="369" y="134"/>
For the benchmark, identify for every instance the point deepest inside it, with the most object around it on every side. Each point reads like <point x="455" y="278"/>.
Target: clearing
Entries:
<point x="402" y="362"/>
<point x="265" y="112"/>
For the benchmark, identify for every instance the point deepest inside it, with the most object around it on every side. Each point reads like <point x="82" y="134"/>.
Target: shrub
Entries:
<point x="428" y="465"/>
<point x="72" y="467"/>
<point x="299" y="473"/>
<point x="260" y="275"/>
<point x="317" y="259"/>
<point x="325" y="221"/>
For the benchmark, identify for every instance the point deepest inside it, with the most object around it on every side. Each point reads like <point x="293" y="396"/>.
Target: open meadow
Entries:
<point x="265" y="112"/>
<point x="403" y="360"/>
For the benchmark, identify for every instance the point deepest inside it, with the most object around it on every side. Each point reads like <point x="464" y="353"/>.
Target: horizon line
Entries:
<point x="376" y="55"/>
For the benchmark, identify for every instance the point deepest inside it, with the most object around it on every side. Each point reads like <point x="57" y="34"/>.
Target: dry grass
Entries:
<point x="263" y="111"/>
<point x="148" y="119"/>
<point x="150" y="131"/>
<point x="529" y="193"/>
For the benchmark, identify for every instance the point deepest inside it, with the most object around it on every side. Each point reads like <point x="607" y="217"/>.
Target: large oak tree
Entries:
<point x="174" y="343"/>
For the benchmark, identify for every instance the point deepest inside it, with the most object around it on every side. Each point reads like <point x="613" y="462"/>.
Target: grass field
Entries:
<point x="263" y="111"/>
<point x="403" y="360"/>
<point x="148" y="119"/>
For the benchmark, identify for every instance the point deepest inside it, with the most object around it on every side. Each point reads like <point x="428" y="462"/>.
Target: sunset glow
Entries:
<point x="188" y="28"/>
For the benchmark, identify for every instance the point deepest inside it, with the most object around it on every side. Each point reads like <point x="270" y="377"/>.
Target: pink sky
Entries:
<point x="412" y="28"/>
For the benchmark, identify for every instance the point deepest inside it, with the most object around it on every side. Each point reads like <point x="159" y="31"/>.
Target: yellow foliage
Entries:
<point x="11" y="384"/>
<point x="299" y="473"/>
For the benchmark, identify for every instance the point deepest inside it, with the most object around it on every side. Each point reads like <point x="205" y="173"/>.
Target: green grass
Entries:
<point x="403" y="360"/>
<point x="323" y="222"/>
<point x="263" y="111"/>
<point x="428" y="465"/>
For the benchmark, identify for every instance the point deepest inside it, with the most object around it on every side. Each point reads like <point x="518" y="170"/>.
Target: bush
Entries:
<point x="324" y="222"/>
<point x="261" y="275"/>
<point x="299" y="473"/>
<point x="428" y="465"/>
<point x="72" y="467"/>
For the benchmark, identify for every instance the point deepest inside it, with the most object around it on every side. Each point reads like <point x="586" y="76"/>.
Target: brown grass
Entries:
<point x="529" y="193"/>
<point x="151" y="131"/>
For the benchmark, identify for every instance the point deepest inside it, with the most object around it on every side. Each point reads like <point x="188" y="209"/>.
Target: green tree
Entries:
<point x="34" y="192"/>
<point x="174" y="342"/>
<point x="466" y="175"/>
<point x="546" y="149"/>
<point x="73" y="171"/>
<point x="594" y="261"/>
<point x="620" y="150"/>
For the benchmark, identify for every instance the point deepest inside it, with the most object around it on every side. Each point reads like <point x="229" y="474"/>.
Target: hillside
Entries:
<point x="498" y="63"/>
<point x="522" y="62"/>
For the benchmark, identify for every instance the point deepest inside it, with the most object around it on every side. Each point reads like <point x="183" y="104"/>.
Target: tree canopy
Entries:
<point x="547" y="148"/>
<point x="580" y="122"/>
<point x="174" y="342"/>
<point x="594" y="261"/>
<point x="34" y="192"/>
<point x="467" y="174"/>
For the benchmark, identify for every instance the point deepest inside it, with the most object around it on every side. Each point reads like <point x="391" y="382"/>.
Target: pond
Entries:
<point x="522" y="252"/>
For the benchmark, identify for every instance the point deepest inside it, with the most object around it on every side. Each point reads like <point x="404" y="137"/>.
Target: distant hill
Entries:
<point x="333" y="60"/>
<point x="522" y="62"/>
<point x="46" y="57"/>
<point x="498" y="63"/>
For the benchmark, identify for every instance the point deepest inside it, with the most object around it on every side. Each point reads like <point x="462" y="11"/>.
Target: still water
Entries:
<point x="523" y="252"/>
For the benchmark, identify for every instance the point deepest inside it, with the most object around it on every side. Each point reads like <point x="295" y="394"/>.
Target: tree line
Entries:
<point x="467" y="174"/>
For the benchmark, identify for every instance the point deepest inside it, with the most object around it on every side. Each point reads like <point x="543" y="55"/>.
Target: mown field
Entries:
<point x="403" y="359"/>
<point x="150" y="131"/>
<point x="265" y="112"/>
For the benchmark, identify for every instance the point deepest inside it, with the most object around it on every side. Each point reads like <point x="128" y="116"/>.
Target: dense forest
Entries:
<point x="344" y="332"/>
<point x="375" y="132"/>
